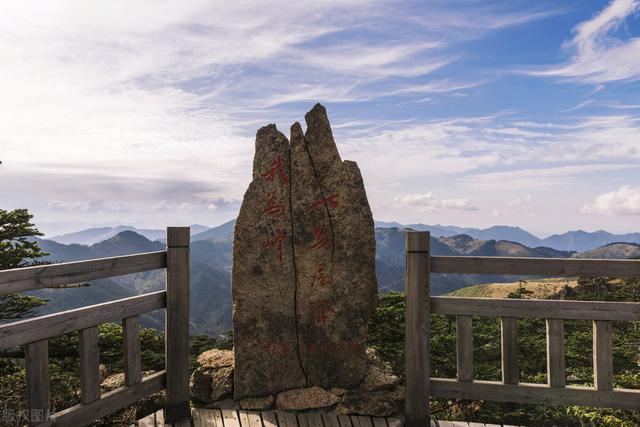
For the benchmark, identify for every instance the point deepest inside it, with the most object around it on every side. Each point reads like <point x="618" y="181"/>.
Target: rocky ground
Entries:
<point x="379" y="394"/>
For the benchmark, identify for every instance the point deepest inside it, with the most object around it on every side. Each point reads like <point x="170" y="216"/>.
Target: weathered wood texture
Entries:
<point x="177" y="325"/>
<point x="89" y="365"/>
<point x="84" y="414"/>
<point x="464" y="348"/>
<point x="417" y="328"/>
<point x="535" y="308"/>
<point x="204" y="417"/>
<point x="47" y="276"/>
<point x="535" y="393"/>
<point x="568" y="267"/>
<point x="37" y="367"/>
<point x="556" y="369"/>
<point x="53" y="325"/>
<point x="603" y="354"/>
<point x="132" y="360"/>
<point x="509" y="344"/>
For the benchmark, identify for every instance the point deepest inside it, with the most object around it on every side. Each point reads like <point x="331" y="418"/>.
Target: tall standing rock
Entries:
<point x="304" y="282"/>
<point x="339" y="360"/>
<point x="264" y="282"/>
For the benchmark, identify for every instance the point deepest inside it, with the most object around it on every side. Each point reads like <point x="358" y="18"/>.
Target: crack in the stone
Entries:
<point x="295" y="274"/>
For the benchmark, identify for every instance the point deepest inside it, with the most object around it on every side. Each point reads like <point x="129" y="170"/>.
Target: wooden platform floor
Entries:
<point x="231" y="418"/>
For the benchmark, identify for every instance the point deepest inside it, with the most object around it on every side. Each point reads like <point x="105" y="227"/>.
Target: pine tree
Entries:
<point x="18" y="249"/>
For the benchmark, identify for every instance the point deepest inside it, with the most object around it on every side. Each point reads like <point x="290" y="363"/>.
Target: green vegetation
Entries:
<point x="18" y="250"/>
<point x="387" y="335"/>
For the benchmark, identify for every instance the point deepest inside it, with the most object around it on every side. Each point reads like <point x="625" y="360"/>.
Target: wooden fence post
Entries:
<point x="177" y="325"/>
<point x="417" y="329"/>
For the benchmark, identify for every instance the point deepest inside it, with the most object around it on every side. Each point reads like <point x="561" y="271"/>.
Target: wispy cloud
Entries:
<point x="427" y="202"/>
<point x="599" y="56"/>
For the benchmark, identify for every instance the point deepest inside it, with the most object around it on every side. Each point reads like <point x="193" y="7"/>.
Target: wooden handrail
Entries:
<point x="536" y="308"/>
<point x="557" y="267"/>
<point x="56" y="324"/>
<point x="53" y="275"/>
<point x="419" y="305"/>
<point x="35" y="332"/>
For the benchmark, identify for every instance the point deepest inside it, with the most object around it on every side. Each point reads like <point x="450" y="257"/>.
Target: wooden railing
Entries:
<point x="34" y="333"/>
<point x="419" y="307"/>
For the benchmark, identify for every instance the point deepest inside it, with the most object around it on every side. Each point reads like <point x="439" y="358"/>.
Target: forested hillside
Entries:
<point x="387" y="335"/>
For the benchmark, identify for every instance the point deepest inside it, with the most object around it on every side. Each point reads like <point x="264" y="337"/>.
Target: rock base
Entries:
<point x="379" y="393"/>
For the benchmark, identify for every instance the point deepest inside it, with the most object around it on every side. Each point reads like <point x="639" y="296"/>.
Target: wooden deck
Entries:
<point x="231" y="418"/>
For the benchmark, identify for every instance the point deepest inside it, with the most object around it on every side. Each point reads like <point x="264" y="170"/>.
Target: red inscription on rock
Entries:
<point x="321" y="310"/>
<point x="273" y="207"/>
<point x="276" y="243"/>
<point x="331" y="202"/>
<point x="276" y="347"/>
<point x="321" y="277"/>
<point x="322" y="241"/>
<point x="276" y="170"/>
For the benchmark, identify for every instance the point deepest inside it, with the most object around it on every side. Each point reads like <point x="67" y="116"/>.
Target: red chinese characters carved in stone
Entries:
<point x="321" y="310"/>
<point x="322" y="241"/>
<point x="276" y="243"/>
<point x="273" y="207"/>
<point x="321" y="276"/>
<point x="276" y="170"/>
<point x="331" y="202"/>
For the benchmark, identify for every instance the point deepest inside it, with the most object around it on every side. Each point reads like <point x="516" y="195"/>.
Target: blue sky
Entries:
<point x="469" y="113"/>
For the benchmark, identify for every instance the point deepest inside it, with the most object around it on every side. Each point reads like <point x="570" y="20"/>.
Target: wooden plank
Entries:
<point x="330" y="419"/>
<point x="159" y="418"/>
<point x="476" y="425"/>
<point x="132" y="360"/>
<point x="177" y="324"/>
<point x="89" y="365"/>
<point x="363" y="421"/>
<point x="148" y="421"/>
<point x="509" y="341"/>
<point x="394" y="422"/>
<point x="254" y="419"/>
<point x="464" y="348"/>
<point x="230" y="418"/>
<point x="37" y="372"/>
<point x="204" y="417"/>
<point x="53" y="325"/>
<point x="302" y="420"/>
<point x="417" y="328"/>
<point x="269" y="419"/>
<point x="536" y="393"/>
<point x="602" y="354"/>
<point x="52" y="275"/>
<point x="217" y="415"/>
<point x="286" y="419"/>
<point x="378" y="422"/>
<point x="534" y="308"/>
<point x="244" y="419"/>
<point x="556" y="369"/>
<point x="84" y="414"/>
<point x="314" y="419"/>
<point x="344" y="421"/>
<point x="554" y="267"/>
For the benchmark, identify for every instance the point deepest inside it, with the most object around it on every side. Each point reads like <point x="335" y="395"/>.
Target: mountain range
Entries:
<point x="579" y="241"/>
<point x="211" y="252"/>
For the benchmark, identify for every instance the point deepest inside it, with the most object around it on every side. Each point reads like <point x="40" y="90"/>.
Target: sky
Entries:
<point x="468" y="113"/>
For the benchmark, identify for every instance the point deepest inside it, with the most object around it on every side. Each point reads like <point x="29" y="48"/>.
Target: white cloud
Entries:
<point x="426" y="202"/>
<point x="599" y="56"/>
<point x="623" y="201"/>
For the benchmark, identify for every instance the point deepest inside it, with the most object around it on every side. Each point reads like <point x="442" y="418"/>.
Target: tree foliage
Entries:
<point x="18" y="249"/>
<point x="386" y="334"/>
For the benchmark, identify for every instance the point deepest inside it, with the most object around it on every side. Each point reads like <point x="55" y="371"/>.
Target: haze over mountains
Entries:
<point x="211" y="251"/>
<point x="578" y="240"/>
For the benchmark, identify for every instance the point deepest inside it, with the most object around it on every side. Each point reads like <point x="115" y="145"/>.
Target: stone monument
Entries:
<point x="304" y="283"/>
